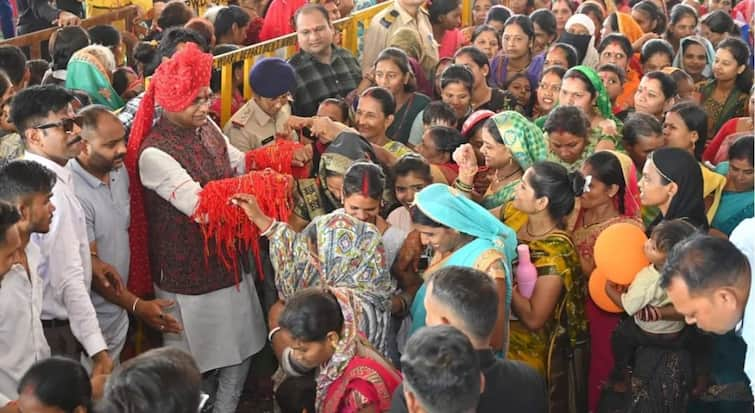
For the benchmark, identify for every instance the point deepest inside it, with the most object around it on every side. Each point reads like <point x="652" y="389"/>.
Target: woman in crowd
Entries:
<point x="726" y="95"/>
<point x="672" y="181"/>
<point x="596" y="12"/>
<point x="580" y="33"/>
<point x="90" y="70"/>
<point x="483" y="96"/>
<point x="642" y="134"/>
<point x="696" y="56"/>
<point x="717" y="149"/>
<point x="562" y="10"/>
<point x="487" y="40"/>
<point x="322" y="326"/>
<point x="56" y="384"/>
<point x="682" y="23"/>
<point x="718" y="25"/>
<point x="517" y="56"/>
<point x="322" y="195"/>
<point x="480" y="10"/>
<point x="520" y="88"/>
<point x="612" y="197"/>
<point x="615" y="48"/>
<point x="737" y="199"/>
<point x="363" y="186"/>
<point x="568" y="133"/>
<point x="547" y="91"/>
<point x="407" y="40"/>
<point x="393" y="72"/>
<point x="685" y="128"/>
<point x="541" y="336"/>
<point x="510" y="145"/>
<point x="445" y="17"/>
<point x="649" y="17"/>
<point x="335" y="250"/>
<point x="457" y="89"/>
<point x="63" y="44"/>
<point x="544" y="25"/>
<point x="562" y="55"/>
<point x="656" y="54"/>
<point x="11" y="144"/>
<point x="497" y="17"/>
<point x="461" y="232"/>
<point x="374" y="114"/>
<point x="583" y="88"/>
<point x="655" y="94"/>
<point x="437" y="147"/>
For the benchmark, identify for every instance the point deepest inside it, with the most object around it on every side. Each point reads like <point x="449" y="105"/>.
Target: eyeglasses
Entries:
<point x="66" y="123"/>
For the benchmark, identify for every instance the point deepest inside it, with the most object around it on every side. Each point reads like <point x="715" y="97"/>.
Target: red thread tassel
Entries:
<point x="227" y="224"/>
<point x="276" y="156"/>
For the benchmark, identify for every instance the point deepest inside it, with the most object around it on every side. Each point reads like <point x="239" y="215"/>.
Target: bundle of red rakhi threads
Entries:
<point x="228" y="226"/>
<point x="276" y="156"/>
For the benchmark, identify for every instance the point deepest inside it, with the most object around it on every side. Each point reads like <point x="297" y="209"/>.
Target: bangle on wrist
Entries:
<point x="133" y="307"/>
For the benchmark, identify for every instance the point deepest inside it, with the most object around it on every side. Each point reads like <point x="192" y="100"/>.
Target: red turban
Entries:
<point x="175" y="86"/>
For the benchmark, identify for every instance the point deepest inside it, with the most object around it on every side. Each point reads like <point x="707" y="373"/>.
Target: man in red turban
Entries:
<point x="169" y="164"/>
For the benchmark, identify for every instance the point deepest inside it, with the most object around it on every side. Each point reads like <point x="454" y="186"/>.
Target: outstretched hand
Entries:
<point x="248" y="203"/>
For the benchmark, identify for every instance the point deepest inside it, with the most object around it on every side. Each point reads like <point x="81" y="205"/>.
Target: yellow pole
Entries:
<point x="226" y="93"/>
<point x="248" y="62"/>
<point x="466" y="12"/>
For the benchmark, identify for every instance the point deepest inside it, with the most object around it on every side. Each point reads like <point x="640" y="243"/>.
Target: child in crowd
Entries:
<point x="613" y="78"/>
<point x="646" y="291"/>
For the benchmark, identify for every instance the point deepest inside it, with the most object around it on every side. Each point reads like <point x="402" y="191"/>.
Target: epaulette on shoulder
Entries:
<point x="389" y="18"/>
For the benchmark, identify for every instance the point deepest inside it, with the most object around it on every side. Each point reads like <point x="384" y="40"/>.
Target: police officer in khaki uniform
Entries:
<point x="265" y="115"/>
<point x="402" y="13"/>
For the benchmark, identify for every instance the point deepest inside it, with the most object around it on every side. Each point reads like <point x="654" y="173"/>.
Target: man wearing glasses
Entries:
<point x="46" y="120"/>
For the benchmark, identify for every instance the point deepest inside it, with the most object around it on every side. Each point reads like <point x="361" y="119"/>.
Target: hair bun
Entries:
<point x="577" y="182"/>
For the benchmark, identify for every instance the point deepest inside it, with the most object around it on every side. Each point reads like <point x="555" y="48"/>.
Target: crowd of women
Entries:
<point x="539" y="127"/>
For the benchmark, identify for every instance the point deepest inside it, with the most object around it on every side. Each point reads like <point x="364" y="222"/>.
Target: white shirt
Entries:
<point x="22" y="340"/>
<point x="743" y="237"/>
<point x="65" y="266"/>
<point x="163" y="174"/>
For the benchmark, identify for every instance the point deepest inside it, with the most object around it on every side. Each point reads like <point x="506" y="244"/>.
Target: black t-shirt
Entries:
<point x="513" y="384"/>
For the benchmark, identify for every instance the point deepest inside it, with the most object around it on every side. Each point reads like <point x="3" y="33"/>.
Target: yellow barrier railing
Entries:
<point x="348" y="27"/>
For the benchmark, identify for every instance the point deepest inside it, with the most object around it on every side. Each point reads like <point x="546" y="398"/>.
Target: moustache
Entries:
<point x="74" y="141"/>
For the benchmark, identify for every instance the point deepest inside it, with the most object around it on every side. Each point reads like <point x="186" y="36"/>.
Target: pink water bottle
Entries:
<point x="526" y="273"/>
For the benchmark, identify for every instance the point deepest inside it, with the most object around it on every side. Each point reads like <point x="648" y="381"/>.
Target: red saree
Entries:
<point x="365" y="382"/>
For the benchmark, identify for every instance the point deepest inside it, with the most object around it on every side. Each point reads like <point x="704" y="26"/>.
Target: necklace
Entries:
<point x="497" y="179"/>
<point x="527" y="228"/>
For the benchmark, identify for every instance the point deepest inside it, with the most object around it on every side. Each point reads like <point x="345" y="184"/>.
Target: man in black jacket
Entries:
<point x="40" y="14"/>
<point x="468" y="300"/>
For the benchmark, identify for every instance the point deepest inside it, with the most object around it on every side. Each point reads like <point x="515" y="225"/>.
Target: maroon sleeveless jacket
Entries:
<point x="176" y="245"/>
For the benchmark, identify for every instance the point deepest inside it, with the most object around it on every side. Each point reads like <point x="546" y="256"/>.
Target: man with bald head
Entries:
<point x="101" y="185"/>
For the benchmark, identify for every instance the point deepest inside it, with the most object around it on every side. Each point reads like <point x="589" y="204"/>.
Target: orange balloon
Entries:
<point x="619" y="252"/>
<point x="597" y="287"/>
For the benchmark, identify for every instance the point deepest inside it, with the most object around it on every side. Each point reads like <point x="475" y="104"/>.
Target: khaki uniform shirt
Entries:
<point x="385" y="23"/>
<point x="250" y="127"/>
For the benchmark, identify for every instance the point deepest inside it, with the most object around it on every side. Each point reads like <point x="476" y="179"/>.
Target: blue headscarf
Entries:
<point x="448" y="206"/>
